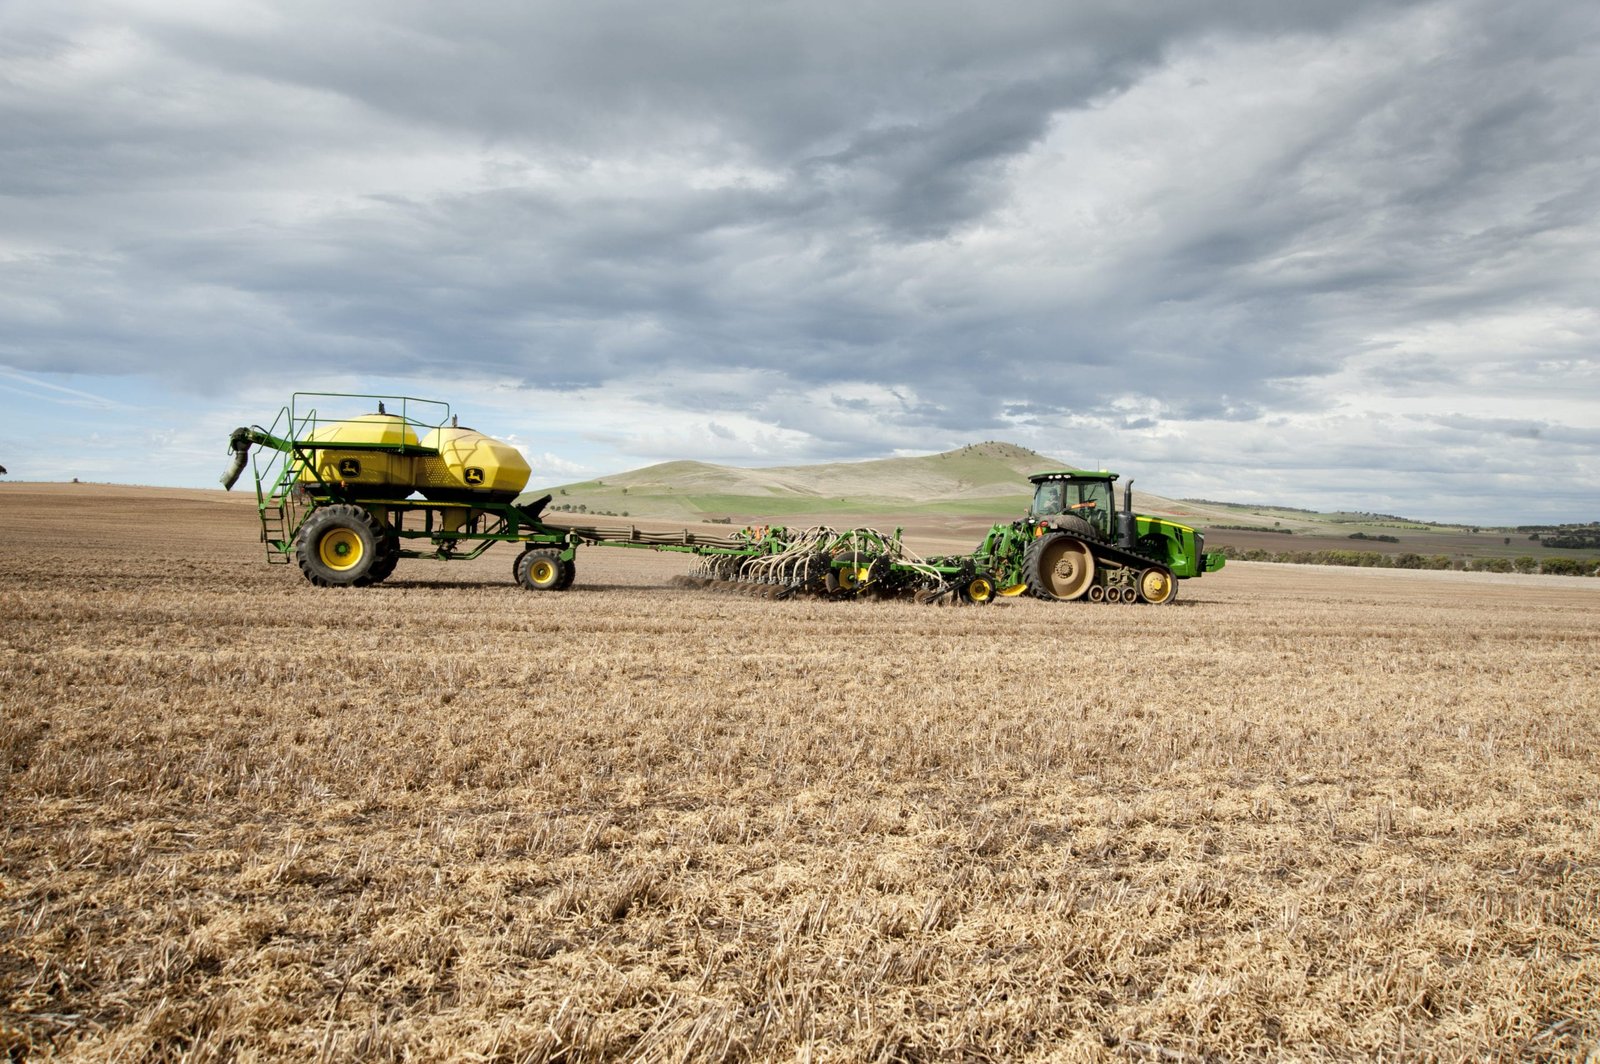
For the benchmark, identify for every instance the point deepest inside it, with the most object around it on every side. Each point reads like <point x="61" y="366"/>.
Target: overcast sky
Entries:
<point x="1329" y="255"/>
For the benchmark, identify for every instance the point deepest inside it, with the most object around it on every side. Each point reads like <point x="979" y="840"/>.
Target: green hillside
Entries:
<point x="958" y="493"/>
<point x="979" y="480"/>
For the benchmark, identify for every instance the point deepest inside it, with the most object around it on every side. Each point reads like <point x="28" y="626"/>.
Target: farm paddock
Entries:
<point x="1302" y="813"/>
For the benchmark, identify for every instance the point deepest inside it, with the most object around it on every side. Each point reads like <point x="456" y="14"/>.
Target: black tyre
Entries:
<point x="1059" y="566"/>
<point x="1074" y="525"/>
<point x="343" y="546"/>
<point x="543" y="570"/>
<point x="385" y="566"/>
<point x="517" y="563"/>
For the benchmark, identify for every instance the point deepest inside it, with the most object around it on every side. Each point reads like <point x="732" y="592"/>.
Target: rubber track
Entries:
<point x="1129" y="558"/>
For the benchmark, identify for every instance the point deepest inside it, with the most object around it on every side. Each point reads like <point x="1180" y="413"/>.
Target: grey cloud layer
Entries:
<point x="973" y="211"/>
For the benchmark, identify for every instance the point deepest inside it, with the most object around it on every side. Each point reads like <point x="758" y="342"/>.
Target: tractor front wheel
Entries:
<point x="343" y="546"/>
<point x="1157" y="586"/>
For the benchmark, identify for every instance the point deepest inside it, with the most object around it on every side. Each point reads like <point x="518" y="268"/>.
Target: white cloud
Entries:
<point x="1301" y="248"/>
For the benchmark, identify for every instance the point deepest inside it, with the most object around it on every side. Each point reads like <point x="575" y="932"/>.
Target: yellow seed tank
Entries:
<point x="470" y="467"/>
<point x="363" y="471"/>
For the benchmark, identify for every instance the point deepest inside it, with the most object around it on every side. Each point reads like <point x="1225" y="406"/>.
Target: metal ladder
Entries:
<point x="276" y="506"/>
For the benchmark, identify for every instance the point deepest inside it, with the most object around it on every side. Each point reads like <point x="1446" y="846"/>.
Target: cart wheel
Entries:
<point x="344" y="546"/>
<point x="543" y="570"/>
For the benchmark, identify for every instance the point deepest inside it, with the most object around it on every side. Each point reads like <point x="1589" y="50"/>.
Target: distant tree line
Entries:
<point x="1253" y="528"/>
<point x="1371" y="559"/>
<point x="1373" y="515"/>
<point x="1568" y="537"/>
<point x="1375" y="539"/>
<point x="1575" y="526"/>
<point x="1250" y="506"/>
<point x="1573" y="541"/>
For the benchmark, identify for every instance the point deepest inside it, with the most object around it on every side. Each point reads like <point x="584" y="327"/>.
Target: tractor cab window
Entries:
<point x="1088" y="499"/>
<point x="1047" y="498"/>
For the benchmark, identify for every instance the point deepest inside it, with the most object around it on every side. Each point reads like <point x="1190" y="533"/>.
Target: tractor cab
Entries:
<point x="1078" y="493"/>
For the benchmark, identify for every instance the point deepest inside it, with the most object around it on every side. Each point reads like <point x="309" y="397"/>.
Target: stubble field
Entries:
<point x="1302" y="814"/>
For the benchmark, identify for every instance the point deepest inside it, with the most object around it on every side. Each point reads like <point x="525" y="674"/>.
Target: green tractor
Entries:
<point x="1075" y="544"/>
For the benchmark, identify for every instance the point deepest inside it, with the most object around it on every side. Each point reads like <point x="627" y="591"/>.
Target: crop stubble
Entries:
<point x="1308" y="814"/>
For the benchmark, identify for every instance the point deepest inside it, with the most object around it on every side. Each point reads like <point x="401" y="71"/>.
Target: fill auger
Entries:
<point x="338" y="497"/>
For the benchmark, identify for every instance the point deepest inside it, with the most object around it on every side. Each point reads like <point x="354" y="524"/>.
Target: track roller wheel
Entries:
<point x="343" y="545"/>
<point x="1157" y="586"/>
<point x="543" y="570"/>
<point x="1097" y="594"/>
<point x="1059" y="566"/>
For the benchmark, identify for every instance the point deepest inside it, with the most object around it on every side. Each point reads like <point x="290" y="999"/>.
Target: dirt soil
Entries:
<point x="1303" y="813"/>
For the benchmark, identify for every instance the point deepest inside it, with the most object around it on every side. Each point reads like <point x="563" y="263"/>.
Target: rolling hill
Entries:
<point x="982" y="480"/>
<point x="954" y="496"/>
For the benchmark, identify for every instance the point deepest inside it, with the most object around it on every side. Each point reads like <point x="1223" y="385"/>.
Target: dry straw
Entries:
<point x="1303" y="814"/>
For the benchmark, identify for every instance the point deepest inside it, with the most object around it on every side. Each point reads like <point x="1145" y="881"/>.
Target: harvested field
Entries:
<point x="1302" y="814"/>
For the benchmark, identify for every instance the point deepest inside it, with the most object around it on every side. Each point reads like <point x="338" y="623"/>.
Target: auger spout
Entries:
<point x="239" y="447"/>
<point x="240" y="440"/>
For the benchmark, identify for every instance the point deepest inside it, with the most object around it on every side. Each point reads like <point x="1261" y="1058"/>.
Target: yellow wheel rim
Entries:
<point x="341" y="549"/>
<point x="542" y="571"/>
<point x="848" y="579"/>
<point x="980" y="590"/>
<point x="1156" y="586"/>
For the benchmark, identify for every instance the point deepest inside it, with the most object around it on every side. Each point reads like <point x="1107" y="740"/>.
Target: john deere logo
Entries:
<point x="473" y="475"/>
<point x="349" y="467"/>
